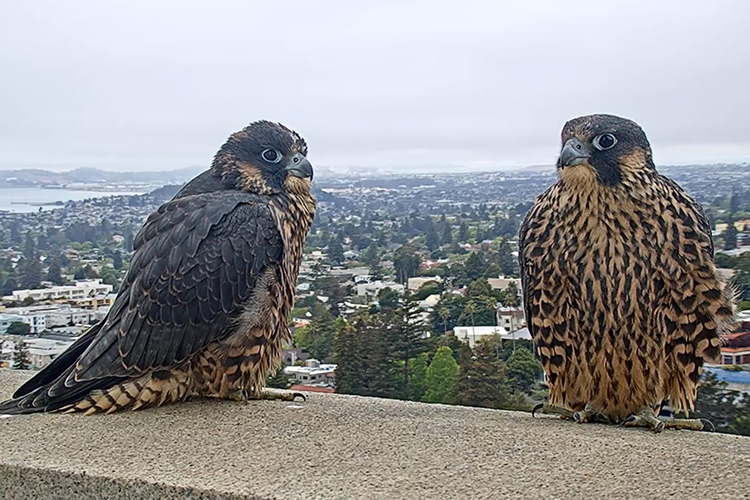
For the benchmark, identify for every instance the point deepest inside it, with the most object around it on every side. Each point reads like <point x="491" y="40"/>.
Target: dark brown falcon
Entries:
<point x="203" y="308"/>
<point x="619" y="284"/>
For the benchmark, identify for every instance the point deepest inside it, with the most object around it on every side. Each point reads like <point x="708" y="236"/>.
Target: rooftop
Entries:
<point x="338" y="447"/>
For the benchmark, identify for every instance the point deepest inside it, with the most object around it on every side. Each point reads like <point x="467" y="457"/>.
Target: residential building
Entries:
<point x="81" y="290"/>
<point x="501" y="283"/>
<point x="473" y="334"/>
<point x="735" y="349"/>
<point x="37" y="321"/>
<point x="511" y="318"/>
<point x="313" y="373"/>
<point x="370" y="290"/>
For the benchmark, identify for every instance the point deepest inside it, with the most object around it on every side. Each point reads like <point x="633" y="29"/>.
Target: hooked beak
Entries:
<point x="574" y="152"/>
<point x="298" y="166"/>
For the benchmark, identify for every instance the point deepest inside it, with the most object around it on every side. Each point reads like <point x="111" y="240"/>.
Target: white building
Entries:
<point x="41" y="351"/>
<point x="55" y="315"/>
<point x="430" y="302"/>
<point x="502" y="283"/>
<point x="313" y="373"/>
<point x="473" y="334"/>
<point x="81" y="290"/>
<point x="371" y="290"/>
<point x="511" y="318"/>
<point x="37" y="321"/>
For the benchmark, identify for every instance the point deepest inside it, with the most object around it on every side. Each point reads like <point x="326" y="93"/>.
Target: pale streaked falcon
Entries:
<point x="619" y="285"/>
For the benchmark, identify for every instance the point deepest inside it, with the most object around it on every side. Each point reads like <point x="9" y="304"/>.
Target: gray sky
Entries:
<point x="135" y="85"/>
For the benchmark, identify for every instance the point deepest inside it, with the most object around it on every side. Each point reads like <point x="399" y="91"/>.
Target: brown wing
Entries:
<point x="698" y="304"/>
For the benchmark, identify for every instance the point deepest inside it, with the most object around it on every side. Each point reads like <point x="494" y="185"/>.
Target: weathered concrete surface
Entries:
<point x="349" y="447"/>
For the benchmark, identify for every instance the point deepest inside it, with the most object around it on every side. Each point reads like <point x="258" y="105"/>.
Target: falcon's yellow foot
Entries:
<point x="646" y="418"/>
<point x="282" y="394"/>
<point x="546" y="409"/>
<point x="591" y="414"/>
<point x="265" y="393"/>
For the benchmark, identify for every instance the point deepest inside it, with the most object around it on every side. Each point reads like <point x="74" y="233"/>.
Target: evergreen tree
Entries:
<point x="318" y="338"/>
<point x="117" y="260"/>
<point x="730" y="236"/>
<point x="508" y="264"/>
<point x="717" y="403"/>
<point x="80" y="274"/>
<point x="15" y="233"/>
<point x="21" y="359"/>
<point x="432" y="240"/>
<point x="10" y="284"/>
<point x="371" y="255"/>
<point x="363" y="354"/>
<point x="734" y="203"/>
<point x="278" y="379"/>
<point x="463" y="233"/>
<point x="42" y="243"/>
<point x="475" y="266"/>
<point x="29" y="248"/>
<point x="349" y="376"/>
<point x="19" y="328"/>
<point x="335" y="252"/>
<point x="482" y="380"/>
<point x="447" y="236"/>
<point x="418" y="376"/>
<point x="388" y="298"/>
<point x="406" y="262"/>
<point x="408" y="341"/>
<point x="128" y="240"/>
<point x="30" y="273"/>
<point x="523" y="370"/>
<point x="54" y="272"/>
<point x="441" y="375"/>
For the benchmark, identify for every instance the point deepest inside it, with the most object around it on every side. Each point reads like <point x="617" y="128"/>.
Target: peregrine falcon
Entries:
<point x="619" y="286"/>
<point x="203" y="308"/>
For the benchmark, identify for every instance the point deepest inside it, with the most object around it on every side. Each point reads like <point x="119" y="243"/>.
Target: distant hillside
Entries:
<point x="36" y="177"/>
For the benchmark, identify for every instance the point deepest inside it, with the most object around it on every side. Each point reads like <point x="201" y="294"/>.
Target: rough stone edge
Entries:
<point x="21" y="483"/>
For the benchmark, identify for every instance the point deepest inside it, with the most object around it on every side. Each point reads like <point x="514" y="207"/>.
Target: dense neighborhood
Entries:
<point x="408" y="289"/>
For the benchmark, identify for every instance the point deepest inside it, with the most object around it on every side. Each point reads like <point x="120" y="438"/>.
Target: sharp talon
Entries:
<point x="627" y="420"/>
<point x="708" y="426"/>
<point x="299" y="395"/>
<point x="659" y="427"/>
<point x="578" y="417"/>
<point x="535" y="409"/>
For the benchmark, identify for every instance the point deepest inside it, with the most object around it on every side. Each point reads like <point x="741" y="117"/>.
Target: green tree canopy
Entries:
<point x="21" y="359"/>
<point x="19" y="328"/>
<point x="482" y="380"/>
<point x="523" y="370"/>
<point x="441" y="375"/>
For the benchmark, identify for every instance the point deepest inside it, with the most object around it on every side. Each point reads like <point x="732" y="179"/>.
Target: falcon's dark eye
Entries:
<point x="271" y="156"/>
<point x="604" y="141"/>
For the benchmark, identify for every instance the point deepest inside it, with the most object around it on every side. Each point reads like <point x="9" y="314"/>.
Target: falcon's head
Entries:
<point x="604" y="149"/>
<point x="265" y="158"/>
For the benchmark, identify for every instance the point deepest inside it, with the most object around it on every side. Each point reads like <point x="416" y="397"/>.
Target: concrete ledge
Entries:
<point x="348" y="447"/>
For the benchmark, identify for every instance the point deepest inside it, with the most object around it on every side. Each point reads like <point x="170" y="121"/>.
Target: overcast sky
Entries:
<point x="137" y="85"/>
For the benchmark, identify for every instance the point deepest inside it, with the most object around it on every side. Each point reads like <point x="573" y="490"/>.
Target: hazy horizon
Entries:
<point x="475" y="86"/>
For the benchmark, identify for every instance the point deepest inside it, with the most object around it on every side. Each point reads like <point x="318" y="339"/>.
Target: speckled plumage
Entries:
<point x="203" y="308"/>
<point x="619" y="285"/>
